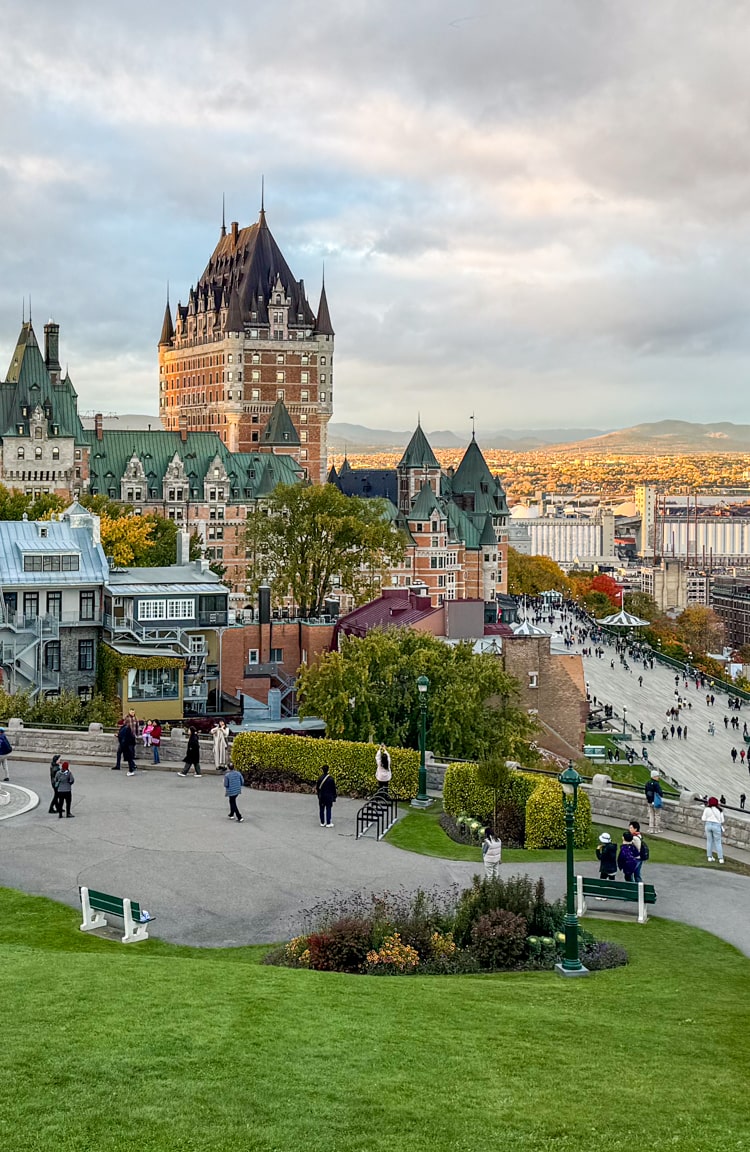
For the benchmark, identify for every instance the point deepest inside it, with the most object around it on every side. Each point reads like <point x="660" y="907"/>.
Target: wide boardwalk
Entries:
<point x="209" y="881"/>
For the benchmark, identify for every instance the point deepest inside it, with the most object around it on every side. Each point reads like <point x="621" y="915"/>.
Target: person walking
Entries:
<point x="156" y="740"/>
<point x="679" y="732"/>
<point x="671" y="729"/>
<point x="492" y="851"/>
<point x="742" y="756"/>
<point x="733" y="754"/>
<point x="64" y="781"/>
<point x="232" y="787"/>
<point x="5" y="751"/>
<point x="655" y="801"/>
<point x="53" y="770"/>
<point x="325" y="789"/>
<point x="628" y="859"/>
<point x="383" y="771"/>
<point x="126" y="748"/>
<point x="726" y="721"/>
<point x="192" y="754"/>
<point x="220" y="737"/>
<point x="606" y="854"/>
<point x="743" y="798"/>
<point x="713" y="820"/>
<point x="711" y="728"/>
<point x="684" y="732"/>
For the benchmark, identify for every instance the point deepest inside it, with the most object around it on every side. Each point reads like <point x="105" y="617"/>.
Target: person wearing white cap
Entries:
<point x="606" y="854"/>
<point x="5" y="751"/>
<point x="655" y="801"/>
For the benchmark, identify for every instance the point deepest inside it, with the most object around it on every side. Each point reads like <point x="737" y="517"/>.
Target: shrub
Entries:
<point x="601" y="954"/>
<point x="545" y="816"/>
<point x="498" y="939"/>
<point x="541" y="952"/>
<point x="297" y="952"/>
<point x="518" y="894"/>
<point x="393" y="958"/>
<point x="511" y="825"/>
<point x="352" y="765"/>
<point x="460" y="963"/>
<point x="276" y="780"/>
<point x="343" y="948"/>
<point x="462" y="791"/>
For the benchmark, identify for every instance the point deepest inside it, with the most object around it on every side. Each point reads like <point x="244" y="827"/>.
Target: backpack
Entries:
<point x="644" y="850"/>
<point x="650" y="791"/>
<point x="5" y="746"/>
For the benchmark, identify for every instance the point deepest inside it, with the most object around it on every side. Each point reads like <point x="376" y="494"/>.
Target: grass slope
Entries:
<point x="421" y="832"/>
<point x="157" y="1047"/>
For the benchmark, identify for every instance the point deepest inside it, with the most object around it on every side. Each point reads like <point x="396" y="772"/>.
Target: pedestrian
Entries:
<point x="606" y="854"/>
<point x="220" y="736"/>
<point x="5" y="751"/>
<point x="492" y="850"/>
<point x="132" y="721"/>
<point x="232" y="787"/>
<point x="383" y="771"/>
<point x="640" y="846"/>
<point x="684" y="731"/>
<point x="655" y="801"/>
<point x="733" y="754"/>
<point x="148" y="728"/>
<point x="713" y="819"/>
<point x="64" y="781"/>
<point x="726" y="721"/>
<point x="156" y="740"/>
<point x="53" y="770"/>
<point x="325" y="789"/>
<point x="640" y="681"/>
<point x="711" y="728"/>
<point x="628" y="859"/>
<point x="712" y="699"/>
<point x="126" y="748"/>
<point x="743" y="798"/>
<point x="192" y="754"/>
<point x="665" y="733"/>
<point x="671" y="729"/>
<point x="742" y="755"/>
<point x="679" y="731"/>
<point x="723" y="800"/>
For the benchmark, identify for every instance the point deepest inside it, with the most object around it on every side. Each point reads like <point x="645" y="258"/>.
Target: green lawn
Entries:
<point x="421" y="832"/>
<point x="151" y="1047"/>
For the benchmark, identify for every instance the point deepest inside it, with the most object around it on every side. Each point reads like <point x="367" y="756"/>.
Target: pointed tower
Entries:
<point x="417" y="466"/>
<point x="325" y="327"/>
<point x="167" y="328"/>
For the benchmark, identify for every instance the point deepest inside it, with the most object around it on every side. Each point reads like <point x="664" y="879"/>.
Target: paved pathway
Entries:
<point x="701" y="762"/>
<point x="210" y="881"/>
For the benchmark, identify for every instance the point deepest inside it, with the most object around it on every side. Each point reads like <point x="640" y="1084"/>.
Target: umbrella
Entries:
<point x="526" y="628"/>
<point x="623" y="619"/>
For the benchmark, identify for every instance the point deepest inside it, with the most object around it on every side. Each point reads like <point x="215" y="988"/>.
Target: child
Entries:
<point x="492" y="849"/>
<point x="606" y="854"/>
<point x="628" y="859"/>
<point x="147" y="730"/>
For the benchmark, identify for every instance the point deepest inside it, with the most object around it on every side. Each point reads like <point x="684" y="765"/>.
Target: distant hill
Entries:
<point x="363" y="439"/>
<point x="667" y="437"/>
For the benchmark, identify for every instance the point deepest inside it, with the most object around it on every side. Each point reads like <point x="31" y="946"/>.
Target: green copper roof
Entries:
<point x="28" y="385"/>
<point x="279" y="431"/>
<point x="473" y="476"/>
<point x="425" y="504"/>
<point x="462" y="526"/>
<point x="247" y="472"/>
<point x="418" y="453"/>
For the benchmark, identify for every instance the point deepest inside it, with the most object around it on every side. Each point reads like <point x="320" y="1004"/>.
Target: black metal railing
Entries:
<point x="380" y="811"/>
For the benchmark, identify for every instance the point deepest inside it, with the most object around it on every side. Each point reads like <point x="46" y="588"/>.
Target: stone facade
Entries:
<point x="73" y="678"/>
<point x="683" y="815"/>
<point x="552" y="687"/>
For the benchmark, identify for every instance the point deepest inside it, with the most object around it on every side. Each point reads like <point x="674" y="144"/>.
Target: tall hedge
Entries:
<point x="352" y="765"/>
<point x="462" y="792"/>
<point x="545" y="816"/>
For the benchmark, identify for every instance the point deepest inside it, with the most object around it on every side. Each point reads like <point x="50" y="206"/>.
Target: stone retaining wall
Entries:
<point x="97" y="746"/>
<point x="683" y="815"/>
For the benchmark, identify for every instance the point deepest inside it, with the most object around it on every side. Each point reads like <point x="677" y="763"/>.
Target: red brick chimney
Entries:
<point x="183" y="426"/>
<point x="99" y="426"/>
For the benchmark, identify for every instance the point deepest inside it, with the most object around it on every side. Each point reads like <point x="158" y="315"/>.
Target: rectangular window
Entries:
<point x="277" y="655"/>
<point x="322" y="397"/>
<point x="85" y="693"/>
<point x="32" y="563"/>
<point x="279" y="377"/>
<point x="280" y="394"/>
<point x="52" y="656"/>
<point x="303" y="454"/>
<point x="255" y="375"/>
<point x="304" y="379"/>
<point x="166" y="609"/>
<point x="85" y="655"/>
<point x="54" y="604"/>
<point x="87" y="608"/>
<point x="252" y="656"/>
<point x="31" y="604"/>
<point x="303" y="418"/>
<point x="303" y="435"/>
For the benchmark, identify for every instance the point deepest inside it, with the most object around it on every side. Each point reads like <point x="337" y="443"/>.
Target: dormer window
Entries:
<point x="21" y="453"/>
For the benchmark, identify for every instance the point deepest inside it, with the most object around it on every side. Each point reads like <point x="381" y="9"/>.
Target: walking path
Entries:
<point x="209" y="881"/>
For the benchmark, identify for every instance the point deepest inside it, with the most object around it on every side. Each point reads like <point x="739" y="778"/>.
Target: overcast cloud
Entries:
<point x="538" y="210"/>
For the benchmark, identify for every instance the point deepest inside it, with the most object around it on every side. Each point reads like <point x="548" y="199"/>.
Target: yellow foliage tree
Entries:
<point x="126" y="538"/>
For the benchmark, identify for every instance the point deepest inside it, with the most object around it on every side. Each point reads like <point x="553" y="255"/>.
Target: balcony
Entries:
<point x="212" y="619"/>
<point x="154" y="692"/>
<point x="195" y="692"/>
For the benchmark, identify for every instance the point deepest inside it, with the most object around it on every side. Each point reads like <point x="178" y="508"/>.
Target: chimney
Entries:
<point x="183" y="426"/>
<point x="52" y="350"/>
<point x="99" y="426"/>
<point x="264" y="604"/>
<point x="235" y="231"/>
<point x="183" y="548"/>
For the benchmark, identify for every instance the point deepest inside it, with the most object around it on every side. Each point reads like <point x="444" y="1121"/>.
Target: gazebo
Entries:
<point x="623" y="619"/>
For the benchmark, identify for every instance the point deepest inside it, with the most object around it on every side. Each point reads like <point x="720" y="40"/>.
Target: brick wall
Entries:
<point x="559" y="696"/>
<point x="293" y="638"/>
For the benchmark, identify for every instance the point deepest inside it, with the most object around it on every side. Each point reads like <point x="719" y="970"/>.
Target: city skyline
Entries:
<point x="512" y="215"/>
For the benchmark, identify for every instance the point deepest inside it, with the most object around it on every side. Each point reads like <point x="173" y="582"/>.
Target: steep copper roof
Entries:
<point x="167" y="328"/>
<point x="325" y="327"/>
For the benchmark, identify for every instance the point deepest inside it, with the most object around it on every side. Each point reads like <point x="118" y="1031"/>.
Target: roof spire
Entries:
<point x="472" y="426"/>
<point x="262" y="199"/>
<point x="29" y="308"/>
<point x="23" y="309"/>
<point x="223" y="214"/>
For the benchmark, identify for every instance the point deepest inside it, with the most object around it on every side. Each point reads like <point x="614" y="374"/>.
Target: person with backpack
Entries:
<point x="5" y="751"/>
<point x="655" y="801"/>
<point x="606" y="854"/>
<point x="64" y="781"/>
<point x="627" y="861"/>
<point x="492" y="852"/>
<point x="383" y="769"/>
<point x="325" y="789"/>
<point x="640" y="846"/>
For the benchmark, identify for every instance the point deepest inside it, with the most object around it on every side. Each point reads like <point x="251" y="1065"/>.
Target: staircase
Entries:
<point x="22" y="640"/>
<point x="280" y="679"/>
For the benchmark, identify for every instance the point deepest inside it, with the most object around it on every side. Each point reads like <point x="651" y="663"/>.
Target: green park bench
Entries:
<point x="134" y="918"/>
<point x="595" y="752"/>
<point x="640" y="894"/>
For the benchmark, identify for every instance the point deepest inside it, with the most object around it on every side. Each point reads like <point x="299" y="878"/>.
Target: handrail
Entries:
<point x="380" y="810"/>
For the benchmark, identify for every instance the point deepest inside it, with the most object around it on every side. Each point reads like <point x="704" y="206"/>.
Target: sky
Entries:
<point x="536" y="211"/>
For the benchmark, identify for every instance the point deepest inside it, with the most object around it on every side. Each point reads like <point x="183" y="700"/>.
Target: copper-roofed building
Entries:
<point x="246" y="341"/>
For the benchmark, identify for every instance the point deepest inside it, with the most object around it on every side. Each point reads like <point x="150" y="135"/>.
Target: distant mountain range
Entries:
<point x="664" y="437"/>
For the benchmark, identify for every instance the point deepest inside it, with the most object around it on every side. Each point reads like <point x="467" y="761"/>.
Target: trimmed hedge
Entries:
<point x="545" y="817"/>
<point x="462" y="792"/>
<point x="351" y="765"/>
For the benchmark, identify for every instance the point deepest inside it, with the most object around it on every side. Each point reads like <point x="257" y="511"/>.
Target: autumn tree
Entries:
<point x="126" y="539"/>
<point x="368" y="691"/>
<point x="532" y="575"/>
<point x="306" y="540"/>
<point x="700" y="629"/>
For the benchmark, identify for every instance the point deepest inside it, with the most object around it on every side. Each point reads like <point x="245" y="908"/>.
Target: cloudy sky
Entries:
<point x="537" y="210"/>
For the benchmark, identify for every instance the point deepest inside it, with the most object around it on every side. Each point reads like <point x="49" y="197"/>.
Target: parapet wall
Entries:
<point x="683" y="815"/>
<point x="94" y="747"/>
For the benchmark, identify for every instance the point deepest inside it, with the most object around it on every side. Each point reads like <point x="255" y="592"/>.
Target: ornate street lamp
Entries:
<point x="571" y="965"/>
<point x="422" y="800"/>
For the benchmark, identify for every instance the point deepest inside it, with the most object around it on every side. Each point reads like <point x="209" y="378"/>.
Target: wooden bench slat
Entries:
<point x="617" y="890"/>
<point x="113" y="904"/>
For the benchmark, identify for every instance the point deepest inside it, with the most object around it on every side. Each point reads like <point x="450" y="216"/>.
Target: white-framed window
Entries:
<point x="533" y="679"/>
<point x="182" y="609"/>
<point x="255" y="394"/>
<point x="252" y="656"/>
<point x="304" y="379"/>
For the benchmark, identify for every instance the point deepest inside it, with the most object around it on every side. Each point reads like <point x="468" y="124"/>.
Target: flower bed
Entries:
<point x="493" y="926"/>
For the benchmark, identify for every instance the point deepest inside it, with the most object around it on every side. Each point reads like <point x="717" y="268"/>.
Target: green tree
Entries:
<point x="641" y="604"/>
<point x="15" y="504"/>
<point x="368" y="691"/>
<point x="304" y="538"/>
<point x="531" y="575"/>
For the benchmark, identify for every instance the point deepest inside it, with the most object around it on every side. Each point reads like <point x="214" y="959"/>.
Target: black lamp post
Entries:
<point x="571" y="965"/>
<point x="422" y="800"/>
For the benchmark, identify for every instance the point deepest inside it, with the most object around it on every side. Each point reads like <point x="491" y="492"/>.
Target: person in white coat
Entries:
<point x="383" y="768"/>
<point x="713" y="820"/>
<point x="220" y="736"/>
<point x="492" y="850"/>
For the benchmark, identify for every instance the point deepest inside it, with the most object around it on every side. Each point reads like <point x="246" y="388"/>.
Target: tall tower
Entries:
<point x="246" y="339"/>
